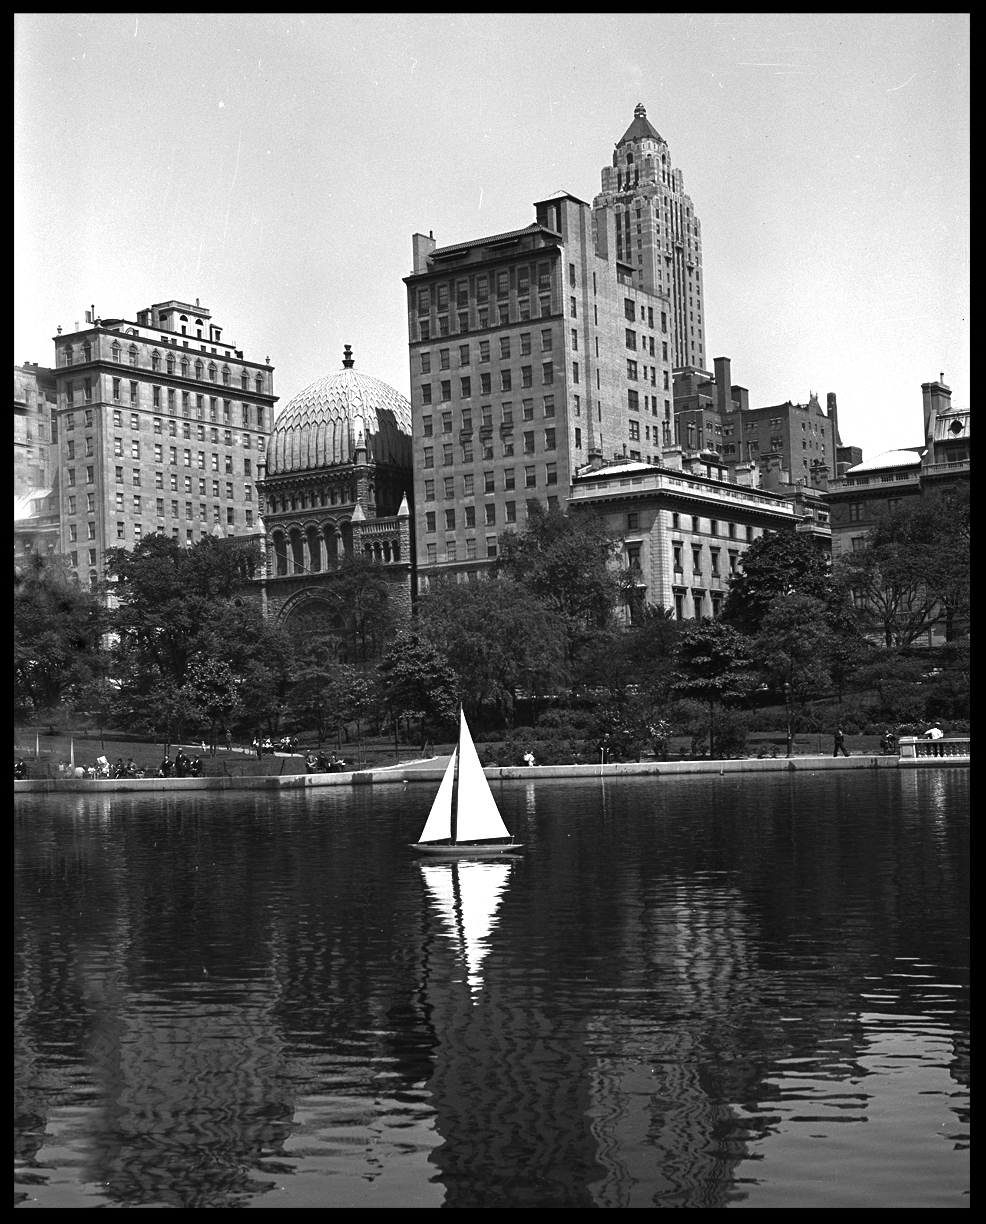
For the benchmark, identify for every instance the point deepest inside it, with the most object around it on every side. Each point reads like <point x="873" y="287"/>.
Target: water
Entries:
<point x="699" y="992"/>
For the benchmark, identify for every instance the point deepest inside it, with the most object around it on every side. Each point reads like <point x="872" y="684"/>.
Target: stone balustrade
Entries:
<point x="915" y="746"/>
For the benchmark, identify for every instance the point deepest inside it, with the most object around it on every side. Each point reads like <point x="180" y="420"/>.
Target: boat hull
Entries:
<point x="464" y="849"/>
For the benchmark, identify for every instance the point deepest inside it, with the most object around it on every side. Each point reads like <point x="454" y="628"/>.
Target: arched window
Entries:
<point x="133" y="354"/>
<point x="298" y="551"/>
<point x="225" y="376"/>
<point x="198" y="369"/>
<point x="87" y="351"/>
<point x="155" y="360"/>
<point x="629" y="159"/>
<point x="68" y="354"/>
<point x="280" y="555"/>
<point x="259" y="383"/>
<point x="115" y="350"/>
<point x="244" y="380"/>
<point x="184" y="367"/>
<point x="171" y="364"/>
<point x="314" y="550"/>
<point x="212" y="372"/>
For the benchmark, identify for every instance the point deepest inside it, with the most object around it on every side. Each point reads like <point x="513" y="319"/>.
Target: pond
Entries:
<point x="693" y="992"/>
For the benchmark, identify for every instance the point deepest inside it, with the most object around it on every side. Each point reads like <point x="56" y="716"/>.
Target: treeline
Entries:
<point x="559" y="640"/>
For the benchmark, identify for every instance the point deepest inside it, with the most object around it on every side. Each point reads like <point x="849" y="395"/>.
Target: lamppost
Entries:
<point x="787" y="707"/>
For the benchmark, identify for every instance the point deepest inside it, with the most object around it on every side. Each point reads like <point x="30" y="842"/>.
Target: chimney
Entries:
<point x="832" y="410"/>
<point x="723" y="387"/>
<point x="742" y="397"/>
<point x="937" y="399"/>
<point x="421" y="248"/>
<point x="671" y="457"/>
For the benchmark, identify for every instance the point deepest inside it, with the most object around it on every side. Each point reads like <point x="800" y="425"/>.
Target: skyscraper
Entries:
<point x="531" y="353"/>
<point x="657" y="231"/>
<point x="159" y="424"/>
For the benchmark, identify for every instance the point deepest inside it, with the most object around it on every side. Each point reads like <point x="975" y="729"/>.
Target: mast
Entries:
<point x="454" y="821"/>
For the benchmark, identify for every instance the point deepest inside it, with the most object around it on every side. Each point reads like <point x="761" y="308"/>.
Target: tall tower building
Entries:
<point x="160" y="423"/>
<point x="532" y="353"/>
<point x="657" y="231"/>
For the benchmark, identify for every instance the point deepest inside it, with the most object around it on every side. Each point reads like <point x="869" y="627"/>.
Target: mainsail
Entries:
<point x="478" y="816"/>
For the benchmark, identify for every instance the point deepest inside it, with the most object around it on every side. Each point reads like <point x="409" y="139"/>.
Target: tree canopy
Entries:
<point x="780" y="563"/>
<point x="58" y="627"/>
<point x="565" y="560"/>
<point x="498" y="637"/>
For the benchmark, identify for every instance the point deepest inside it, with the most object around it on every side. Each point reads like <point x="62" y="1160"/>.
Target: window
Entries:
<point x="676" y="551"/>
<point x="447" y="456"/>
<point x="631" y="369"/>
<point x="549" y="439"/>
<point x="463" y="354"/>
<point x="857" y="511"/>
<point x="530" y="477"/>
<point x="509" y="479"/>
<point x="578" y="438"/>
<point x="426" y="393"/>
<point x="446" y="391"/>
<point x="491" y="546"/>
<point x="548" y="372"/>
<point x="551" y="473"/>
<point x="633" y="403"/>
<point x="429" y="490"/>
<point x="426" y="426"/>
<point x="443" y="359"/>
<point x="485" y="384"/>
<point x="470" y="513"/>
<point x="488" y="478"/>
<point x="446" y="422"/>
<point x="135" y="476"/>
<point x="484" y="350"/>
<point x="490" y="514"/>
<point x="450" y="520"/>
<point x="634" y="431"/>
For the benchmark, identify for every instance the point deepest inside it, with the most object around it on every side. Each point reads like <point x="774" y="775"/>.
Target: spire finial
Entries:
<point x="347" y="356"/>
<point x="640" y="111"/>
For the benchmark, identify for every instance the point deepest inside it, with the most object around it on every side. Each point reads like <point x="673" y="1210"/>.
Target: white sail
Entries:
<point x="438" y="826"/>
<point x="477" y="817"/>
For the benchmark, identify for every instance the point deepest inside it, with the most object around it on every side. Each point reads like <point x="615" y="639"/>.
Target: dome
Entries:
<point x="322" y="425"/>
<point x="887" y="459"/>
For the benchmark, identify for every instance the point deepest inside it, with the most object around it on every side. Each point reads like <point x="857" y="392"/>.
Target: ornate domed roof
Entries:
<point x="323" y="424"/>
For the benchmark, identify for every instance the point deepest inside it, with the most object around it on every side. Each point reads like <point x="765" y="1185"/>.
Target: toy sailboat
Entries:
<point x="464" y="819"/>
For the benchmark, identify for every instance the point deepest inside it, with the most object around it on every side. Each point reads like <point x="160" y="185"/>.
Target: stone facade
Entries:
<point x="684" y="524"/>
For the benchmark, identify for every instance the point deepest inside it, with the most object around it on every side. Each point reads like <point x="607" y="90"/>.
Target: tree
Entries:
<point x="361" y="594"/>
<point x="176" y="623"/>
<point x="914" y="568"/>
<point x="781" y="563"/>
<point x="566" y="560"/>
<point x="417" y="683"/>
<point x="497" y="637"/>
<point x="58" y="628"/>
<point x="712" y="666"/>
<point x="636" y="656"/>
<point x="792" y="650"/>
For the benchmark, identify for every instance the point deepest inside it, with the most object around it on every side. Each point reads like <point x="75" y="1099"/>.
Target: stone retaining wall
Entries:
<point x="402" y="773"/>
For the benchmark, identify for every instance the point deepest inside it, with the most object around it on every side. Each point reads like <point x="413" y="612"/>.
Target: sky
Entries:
<point x="275" y="166"/>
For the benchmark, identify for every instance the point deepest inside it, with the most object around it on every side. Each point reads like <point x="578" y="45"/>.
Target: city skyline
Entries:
<point x="277" y="166"/>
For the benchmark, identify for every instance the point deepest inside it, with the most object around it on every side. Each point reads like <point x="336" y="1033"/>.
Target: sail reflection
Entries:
<point x="467" y="897"/>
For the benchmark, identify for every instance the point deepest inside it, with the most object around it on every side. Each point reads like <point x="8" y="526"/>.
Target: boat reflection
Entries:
<point x="466" y="896"/>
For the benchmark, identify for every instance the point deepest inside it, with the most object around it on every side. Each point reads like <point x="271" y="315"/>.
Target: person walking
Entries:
<point x="840" y="743"/>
